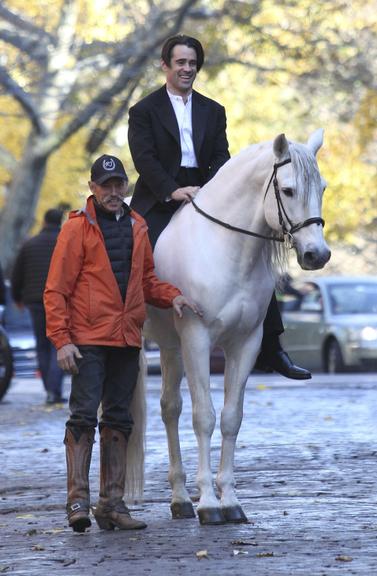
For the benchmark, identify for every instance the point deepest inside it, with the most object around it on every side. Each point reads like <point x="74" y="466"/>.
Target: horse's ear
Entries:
<point x="315" y="141"/>
<point x="280" y="146"/>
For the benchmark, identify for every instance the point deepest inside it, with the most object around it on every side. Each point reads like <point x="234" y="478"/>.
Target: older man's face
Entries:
<point x="110" y="194"/>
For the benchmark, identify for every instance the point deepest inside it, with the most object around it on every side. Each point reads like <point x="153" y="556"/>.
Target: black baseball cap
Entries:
<point x="106" y="167"/>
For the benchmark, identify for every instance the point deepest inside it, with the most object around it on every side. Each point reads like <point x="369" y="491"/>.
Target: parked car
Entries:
<point x="332" y="326"/>
<point x="6" y="363"/>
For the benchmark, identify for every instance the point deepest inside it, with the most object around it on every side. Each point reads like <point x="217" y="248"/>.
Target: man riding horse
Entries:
<point x="177" y="139"/>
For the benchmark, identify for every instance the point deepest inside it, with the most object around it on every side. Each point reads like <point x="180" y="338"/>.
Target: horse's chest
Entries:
<point x="241" y="314"/>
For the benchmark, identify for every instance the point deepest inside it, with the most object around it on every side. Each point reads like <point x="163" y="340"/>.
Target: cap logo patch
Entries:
<point x="108" y="164"/>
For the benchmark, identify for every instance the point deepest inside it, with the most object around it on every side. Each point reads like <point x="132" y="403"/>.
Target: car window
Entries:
<point x="311" y="300"/>
<point x="353" y="298"/>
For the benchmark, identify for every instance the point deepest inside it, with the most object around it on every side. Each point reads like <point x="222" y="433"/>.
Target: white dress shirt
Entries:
<point x="183" y="113"/>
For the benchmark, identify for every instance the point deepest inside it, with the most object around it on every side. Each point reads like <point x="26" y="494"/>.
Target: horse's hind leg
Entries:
<point x="171" y="407"/>
<point x="238" y="363"/>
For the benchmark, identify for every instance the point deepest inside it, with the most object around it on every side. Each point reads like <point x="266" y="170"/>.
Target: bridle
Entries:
<point x="281" y="213"/>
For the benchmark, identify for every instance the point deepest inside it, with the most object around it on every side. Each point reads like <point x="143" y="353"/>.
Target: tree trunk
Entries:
<point x="17" y="215"/>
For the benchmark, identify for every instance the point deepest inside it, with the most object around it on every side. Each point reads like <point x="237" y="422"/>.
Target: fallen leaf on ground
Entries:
<point x="244" y="543"/>
<point x="342" y="558"/>
<point x="202" y="554"/>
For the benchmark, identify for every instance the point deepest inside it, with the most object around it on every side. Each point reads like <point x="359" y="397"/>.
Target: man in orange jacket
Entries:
<point x="100" y="277"/>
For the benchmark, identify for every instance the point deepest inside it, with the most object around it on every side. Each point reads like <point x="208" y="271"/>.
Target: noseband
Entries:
<point x="281" y="210"/>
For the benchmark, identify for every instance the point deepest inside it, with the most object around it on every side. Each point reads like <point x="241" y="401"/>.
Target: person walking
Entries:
<point x="28" y="282"/>
<point x="100" y="277"/>
<point x="177" y="138"/>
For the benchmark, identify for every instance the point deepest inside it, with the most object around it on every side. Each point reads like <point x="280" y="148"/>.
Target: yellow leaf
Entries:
<point x="261" y="387"/>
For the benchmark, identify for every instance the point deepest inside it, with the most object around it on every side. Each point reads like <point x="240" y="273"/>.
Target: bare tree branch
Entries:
<point x="24" y="99"/>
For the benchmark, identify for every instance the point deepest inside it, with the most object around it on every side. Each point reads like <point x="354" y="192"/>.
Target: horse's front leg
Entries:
<point x="239" y="360"/>
<point x="195" y="350"/>
<point x="171" y="408"/>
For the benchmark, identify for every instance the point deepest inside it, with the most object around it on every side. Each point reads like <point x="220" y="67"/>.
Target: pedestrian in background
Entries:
<point x="28" y="283"/>
<point x="2" y="287"/>
<point x="101" y="275"/>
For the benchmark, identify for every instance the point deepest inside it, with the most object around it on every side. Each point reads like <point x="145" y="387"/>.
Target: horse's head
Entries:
<point x="293" y="199"/>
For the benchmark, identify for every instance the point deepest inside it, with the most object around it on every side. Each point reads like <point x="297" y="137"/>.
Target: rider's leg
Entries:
<point x="272" y="356"/>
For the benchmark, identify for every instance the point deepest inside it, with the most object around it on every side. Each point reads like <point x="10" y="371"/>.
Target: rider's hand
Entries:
<point x="186" y="194"/>
<point x="180" y="302"/>
<point x="66" y="358"/>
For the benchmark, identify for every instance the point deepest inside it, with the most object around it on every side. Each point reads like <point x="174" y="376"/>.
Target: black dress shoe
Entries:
<point x="281" y="362"/>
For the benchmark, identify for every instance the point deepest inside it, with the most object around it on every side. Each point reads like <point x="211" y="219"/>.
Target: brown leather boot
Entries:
<point x="78" y="454"/>
<point x="111" y="512"/>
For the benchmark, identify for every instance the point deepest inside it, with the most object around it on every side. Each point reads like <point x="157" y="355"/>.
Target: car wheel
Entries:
<point x="333" y="358"/>
<point x="6" y="363"/>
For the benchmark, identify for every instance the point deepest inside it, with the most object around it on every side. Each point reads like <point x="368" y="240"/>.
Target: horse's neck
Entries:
<point x="235" y="194"/>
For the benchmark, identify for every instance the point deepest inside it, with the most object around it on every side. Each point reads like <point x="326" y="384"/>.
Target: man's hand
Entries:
<point x="186" y="194"/>
<point x="66" y="358"/>
<point x="180" y="302"/>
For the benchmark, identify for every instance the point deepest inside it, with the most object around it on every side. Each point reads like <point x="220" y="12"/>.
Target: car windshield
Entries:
<point x="355" y="298"/>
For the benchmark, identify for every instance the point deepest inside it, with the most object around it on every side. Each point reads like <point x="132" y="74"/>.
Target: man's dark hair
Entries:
<point x="53" y="216"/>
<point x="182" y="39"/>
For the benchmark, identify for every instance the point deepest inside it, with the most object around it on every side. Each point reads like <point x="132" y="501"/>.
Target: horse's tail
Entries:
<point x="136" y="442"/>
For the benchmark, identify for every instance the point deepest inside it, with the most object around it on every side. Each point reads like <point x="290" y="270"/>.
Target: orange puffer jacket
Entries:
<point x="82" y="298"/>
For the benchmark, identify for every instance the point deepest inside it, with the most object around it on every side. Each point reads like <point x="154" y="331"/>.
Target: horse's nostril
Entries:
<point x="310" y="257"/>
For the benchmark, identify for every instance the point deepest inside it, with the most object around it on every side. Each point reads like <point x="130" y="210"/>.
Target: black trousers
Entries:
<point x="106" y="374"/>
<point x="159" y="217"/>
<point x="52" y="375"/>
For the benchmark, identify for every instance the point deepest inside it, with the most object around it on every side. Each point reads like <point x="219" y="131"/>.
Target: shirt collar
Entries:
<point x="178" y="98"/>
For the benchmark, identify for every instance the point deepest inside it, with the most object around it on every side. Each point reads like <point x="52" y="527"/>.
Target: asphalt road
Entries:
<point x="306" y="477"/>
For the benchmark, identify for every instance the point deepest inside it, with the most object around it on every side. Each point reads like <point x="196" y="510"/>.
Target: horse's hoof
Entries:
<point x="181" y="510"/>
<point x="234" y="514"/>
<point x="211" y="516"/>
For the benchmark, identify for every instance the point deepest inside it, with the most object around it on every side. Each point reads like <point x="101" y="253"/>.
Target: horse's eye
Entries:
<point x="288" y="192"/>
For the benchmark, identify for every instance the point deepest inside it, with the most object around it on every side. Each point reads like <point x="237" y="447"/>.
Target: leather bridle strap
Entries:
<point x="234" y="228"/>
<point x="281" y="210"/>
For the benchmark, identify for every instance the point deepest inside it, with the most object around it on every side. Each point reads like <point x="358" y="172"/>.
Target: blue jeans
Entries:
<point x="52" y="375"/>
<point x="107" y="375"/>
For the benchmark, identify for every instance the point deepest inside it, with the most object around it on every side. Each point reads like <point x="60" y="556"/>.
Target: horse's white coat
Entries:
<point x="231" y="277"/>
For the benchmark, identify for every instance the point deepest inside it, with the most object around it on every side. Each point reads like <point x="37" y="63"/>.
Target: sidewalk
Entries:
<point x="306" y="478"/>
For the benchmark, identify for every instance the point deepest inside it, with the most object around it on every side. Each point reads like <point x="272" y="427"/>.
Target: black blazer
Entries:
<point x="154" y="142"/>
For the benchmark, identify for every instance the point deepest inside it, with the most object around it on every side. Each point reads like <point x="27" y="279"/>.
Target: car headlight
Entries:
<point x="369" y="333"/>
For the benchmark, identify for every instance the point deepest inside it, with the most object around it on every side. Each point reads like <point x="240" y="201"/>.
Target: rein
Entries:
<point x="281" y="210"/>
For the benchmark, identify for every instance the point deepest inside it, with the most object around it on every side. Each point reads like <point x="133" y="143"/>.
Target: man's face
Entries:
<point x="110" y="194"/>
<point x="181" y="73"/>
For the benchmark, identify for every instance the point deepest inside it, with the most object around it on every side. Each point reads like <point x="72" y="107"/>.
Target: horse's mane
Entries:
<point x="304" y="165"/>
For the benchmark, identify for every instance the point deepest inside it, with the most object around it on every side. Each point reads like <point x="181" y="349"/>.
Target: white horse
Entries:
<point x="220" y="251"/>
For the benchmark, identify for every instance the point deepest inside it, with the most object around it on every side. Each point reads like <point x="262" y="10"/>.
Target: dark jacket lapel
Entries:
<point x="166" y="113"/>
<point x="200" y="114"/>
